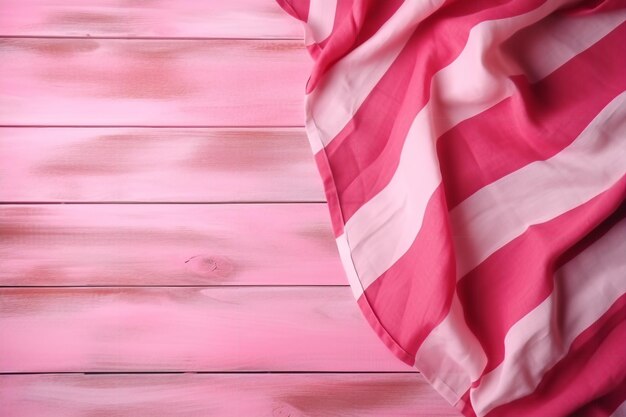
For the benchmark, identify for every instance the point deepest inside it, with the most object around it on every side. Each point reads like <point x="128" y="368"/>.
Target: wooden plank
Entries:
<point x="277" y="395"/>
<point x="112" y="82"/>
<point x="167" y="244"/>
<point x="157" y="18"/>
<point x="172" y="165"/>
<point x="187" y="329"/>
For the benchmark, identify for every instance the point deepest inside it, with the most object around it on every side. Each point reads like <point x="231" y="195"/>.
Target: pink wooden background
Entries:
<point x="165" y="245"/>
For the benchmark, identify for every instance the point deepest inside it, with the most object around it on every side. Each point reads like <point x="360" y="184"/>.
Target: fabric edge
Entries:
<point x="456" y="400"/>
<point x="343" y="244"/>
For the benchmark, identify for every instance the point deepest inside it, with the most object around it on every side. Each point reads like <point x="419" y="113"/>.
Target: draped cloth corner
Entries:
<point x="473" y="156"/>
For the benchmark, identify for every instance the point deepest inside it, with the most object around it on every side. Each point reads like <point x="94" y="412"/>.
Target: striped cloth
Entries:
<point x="473" y="154"/>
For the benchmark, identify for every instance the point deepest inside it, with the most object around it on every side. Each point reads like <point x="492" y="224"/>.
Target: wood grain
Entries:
<point x="149" y="165"/>
<point x="154" y="18"/>
<point x="127" y="101"/>
<point x="113" y="82"/>
<point x="263" y="395"/>
<point x="167" y="244"/>
<point x="187" y="329"/>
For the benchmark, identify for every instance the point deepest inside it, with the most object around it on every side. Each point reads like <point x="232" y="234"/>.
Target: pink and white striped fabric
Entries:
<point x="473" y="155"/>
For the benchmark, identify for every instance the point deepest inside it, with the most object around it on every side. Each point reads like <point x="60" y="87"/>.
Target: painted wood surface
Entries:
<point x="121" y="82"/>
<point x="168" y="244"/>
<point x="258" y="395"/>
<point x="154" y="18"/>
<point x="200" y="102"/>
<point x="157" y="165"/>
<point x="187" y="329"/>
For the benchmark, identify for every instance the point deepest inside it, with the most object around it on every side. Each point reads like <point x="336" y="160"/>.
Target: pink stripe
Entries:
<point x="378" y="14"/>
<point x="608" y="405"/>
<point x="539" y="192"/>
<point x="411" y="298"/>
<point x="423" y="127"/>
<point x="465" y="405"/>
<point x="619" y="411"/>
<point x="528" y="265"/>
<point x="414" y="295"/>
<point x="594" y="367"/>
<point x="547" y="117"/>
<point x="297" y="8"/>
<point x="344" y="8"/>
<point x="330" y="191"/>
<point x="372" y="114"/>
<point x="361" y="22"/>
<point x="450" y="358"/>
<point x="354" y="76"/>
<point x="585" y="289"/>
<point x="388" y="112"/>
<point x="590" y="7"/>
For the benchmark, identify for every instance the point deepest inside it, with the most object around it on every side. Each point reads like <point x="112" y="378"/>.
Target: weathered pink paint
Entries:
<point x="168" y="244"/>
<point x="276" y="395"/>
<point x="175" y="165"/>
<point x="156" y="18"/>
<point x="113" y="82"/>
<point x="67" y="63"/>
<point x="187" y="329"/>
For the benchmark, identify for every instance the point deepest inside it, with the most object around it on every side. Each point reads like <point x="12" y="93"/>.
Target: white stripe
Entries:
<point x="328" y="111"/>
<point x="468" y="361"/>
<point x="320" y="21"/>
<point x="355" y="75"/>
<point x="545" y="183"/>
<point x="384" y="228"/>
<point x="585" y="289"/>
<point x="542" y="190"/>
<point x="348" y="265"/>
<point x="385" y="207"/>
<point x="555" y="37"/>
<point x="453" y="357"/>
